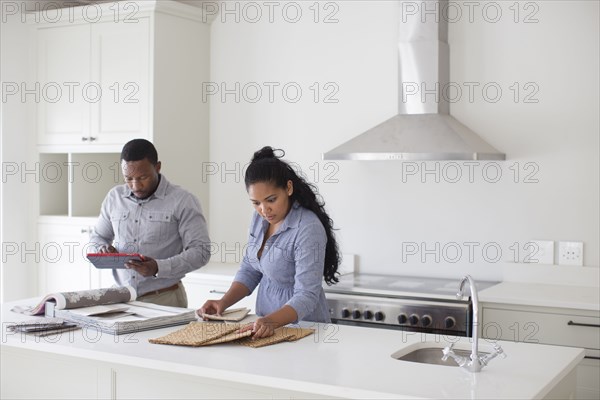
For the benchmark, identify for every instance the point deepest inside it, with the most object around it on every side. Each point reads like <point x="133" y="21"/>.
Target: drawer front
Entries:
<point x="540" y="327"/>
<point x="588" y="385"/>
<point x="199" y="291"/>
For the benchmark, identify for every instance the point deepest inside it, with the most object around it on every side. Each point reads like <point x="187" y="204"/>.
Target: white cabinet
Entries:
<point x="121" y="68"/>
<point x="74" y="184"/>
<point x="63" y="68"/>
<point x="61" y="249"/>
<point x="94" y="379"/>
<point x="588" y="385"/>
<point x="71" y="190"/>
<point x="555" y="326"/>
<point x="149" y="71"/>
<point x="135" y="71"/>
<point x="202" y="287"/>
<point x="94" y="82"/>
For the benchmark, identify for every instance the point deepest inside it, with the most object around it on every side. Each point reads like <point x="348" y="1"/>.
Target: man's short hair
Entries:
<point x="138" y="149"/>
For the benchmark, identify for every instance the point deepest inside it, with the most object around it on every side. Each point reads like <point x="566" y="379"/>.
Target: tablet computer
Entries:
<point x="112" y="260"/>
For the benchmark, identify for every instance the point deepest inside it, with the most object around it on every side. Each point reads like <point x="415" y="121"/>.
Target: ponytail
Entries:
<point x="266" y="166"/>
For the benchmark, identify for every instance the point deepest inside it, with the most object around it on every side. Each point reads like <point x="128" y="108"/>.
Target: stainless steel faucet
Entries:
<point x="476" y="362"/>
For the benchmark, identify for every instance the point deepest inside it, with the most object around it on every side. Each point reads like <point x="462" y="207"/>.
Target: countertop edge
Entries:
<point x="543" y="295"/>
<point x="212" y="373"/>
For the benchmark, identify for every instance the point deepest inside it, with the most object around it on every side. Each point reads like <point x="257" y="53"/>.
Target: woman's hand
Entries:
<point x="265" y="326"/>
<point x="211" y="307"/>
<point x="261" y="328"/>
<point x="236" y="292"/>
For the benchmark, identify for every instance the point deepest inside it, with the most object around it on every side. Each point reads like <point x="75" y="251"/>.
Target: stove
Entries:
<point x="415" y="304"/>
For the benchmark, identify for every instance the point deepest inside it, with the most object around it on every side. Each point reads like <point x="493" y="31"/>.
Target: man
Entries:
<point x="159" y="220"/>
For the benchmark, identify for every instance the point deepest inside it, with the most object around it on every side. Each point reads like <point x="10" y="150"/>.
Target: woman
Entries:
<point x="291" y="248"/>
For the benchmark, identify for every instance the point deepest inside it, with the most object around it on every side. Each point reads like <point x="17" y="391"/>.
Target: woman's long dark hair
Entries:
<point x="267" y="167"/>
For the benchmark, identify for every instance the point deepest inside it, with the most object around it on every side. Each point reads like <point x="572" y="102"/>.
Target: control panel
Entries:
<point x="422" y="315"/>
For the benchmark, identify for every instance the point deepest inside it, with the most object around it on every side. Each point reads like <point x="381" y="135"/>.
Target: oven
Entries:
<point x="415" y="304"/>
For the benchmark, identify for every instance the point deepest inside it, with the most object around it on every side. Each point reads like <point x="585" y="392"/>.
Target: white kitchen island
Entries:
<point x="338" y="361"/>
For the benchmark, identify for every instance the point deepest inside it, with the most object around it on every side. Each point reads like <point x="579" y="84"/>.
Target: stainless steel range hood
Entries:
<point x="423" y="128"/>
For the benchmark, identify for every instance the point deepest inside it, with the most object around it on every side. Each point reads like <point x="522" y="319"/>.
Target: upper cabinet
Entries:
<point x="63" y="60"/>
<point x="102" y="71"/>
<point x="111" y="72"/>
<point x="94" y="82"/>
<point x="121" y="67"/>
<point x="105" y="74"/>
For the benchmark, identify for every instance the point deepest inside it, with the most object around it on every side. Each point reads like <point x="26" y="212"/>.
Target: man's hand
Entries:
<point x="108" y="249"/>
<point x="148" y="267"/>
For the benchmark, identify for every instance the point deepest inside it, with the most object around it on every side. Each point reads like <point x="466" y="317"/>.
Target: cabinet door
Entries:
<point x="542" y="326"/>
<point x="199" y="290"/>
<point x="121" y="65"/>
<point x="63" y="80"/>
<point x="101" y="278"/>
<point x="575" y="328"/>
<point x="588" y="384"/>
<point x="63" y="266"/>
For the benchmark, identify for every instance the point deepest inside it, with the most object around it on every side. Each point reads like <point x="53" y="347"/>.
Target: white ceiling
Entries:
<point x="195" y="3"/>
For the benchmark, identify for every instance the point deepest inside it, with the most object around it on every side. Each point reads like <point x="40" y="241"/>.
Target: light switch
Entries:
<point x="542" y="252"/>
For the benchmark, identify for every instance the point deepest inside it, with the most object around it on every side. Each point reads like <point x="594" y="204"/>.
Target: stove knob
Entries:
<point x="402" y="318"/>
<point x="449" y="322"/>
<point x="368" y="315"/>
<point x="345" y="313"/>
<point x="379" y="316"/>
<point x="356" y="314"/>
<point x="413" y="319"/>
<point x="426" y="320"/>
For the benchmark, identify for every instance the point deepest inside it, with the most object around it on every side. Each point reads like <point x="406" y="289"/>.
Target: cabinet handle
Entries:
<point x="216" y="291"/>
<point x="92" y="138"/>
<point x="85" y="139"/>
<point x="83" y="230"/>
<point x="580" y="324"/>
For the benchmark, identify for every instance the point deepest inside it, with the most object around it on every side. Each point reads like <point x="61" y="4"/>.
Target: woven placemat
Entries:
<point x="255" y="343"/>
<point x="206" y="333"/>
<point x="283" y="334"/>
<point x="197" y="334"/>
<point x="298" y="333"/>
<point x="229" y="338"/>
<point x="234" y="315"/>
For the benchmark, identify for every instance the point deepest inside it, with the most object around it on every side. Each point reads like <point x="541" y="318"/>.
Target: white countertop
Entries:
<point x="519" y="293"/>
<point x="543" y="295"/>
<point x="338" y="360"/>
<point x="214" y="270"/>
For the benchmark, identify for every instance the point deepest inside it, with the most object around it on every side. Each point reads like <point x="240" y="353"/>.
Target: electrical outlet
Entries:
<point x="542" y="252"/>
<point x="570" y="253"/>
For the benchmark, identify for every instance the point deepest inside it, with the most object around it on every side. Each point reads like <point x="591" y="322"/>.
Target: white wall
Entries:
<point x="18" y="278"/>
<point x="381" y="217"/>
<point x="375" y="210"/>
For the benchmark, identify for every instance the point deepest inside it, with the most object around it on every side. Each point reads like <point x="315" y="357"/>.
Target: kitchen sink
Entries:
<point x="430" y="353"/>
